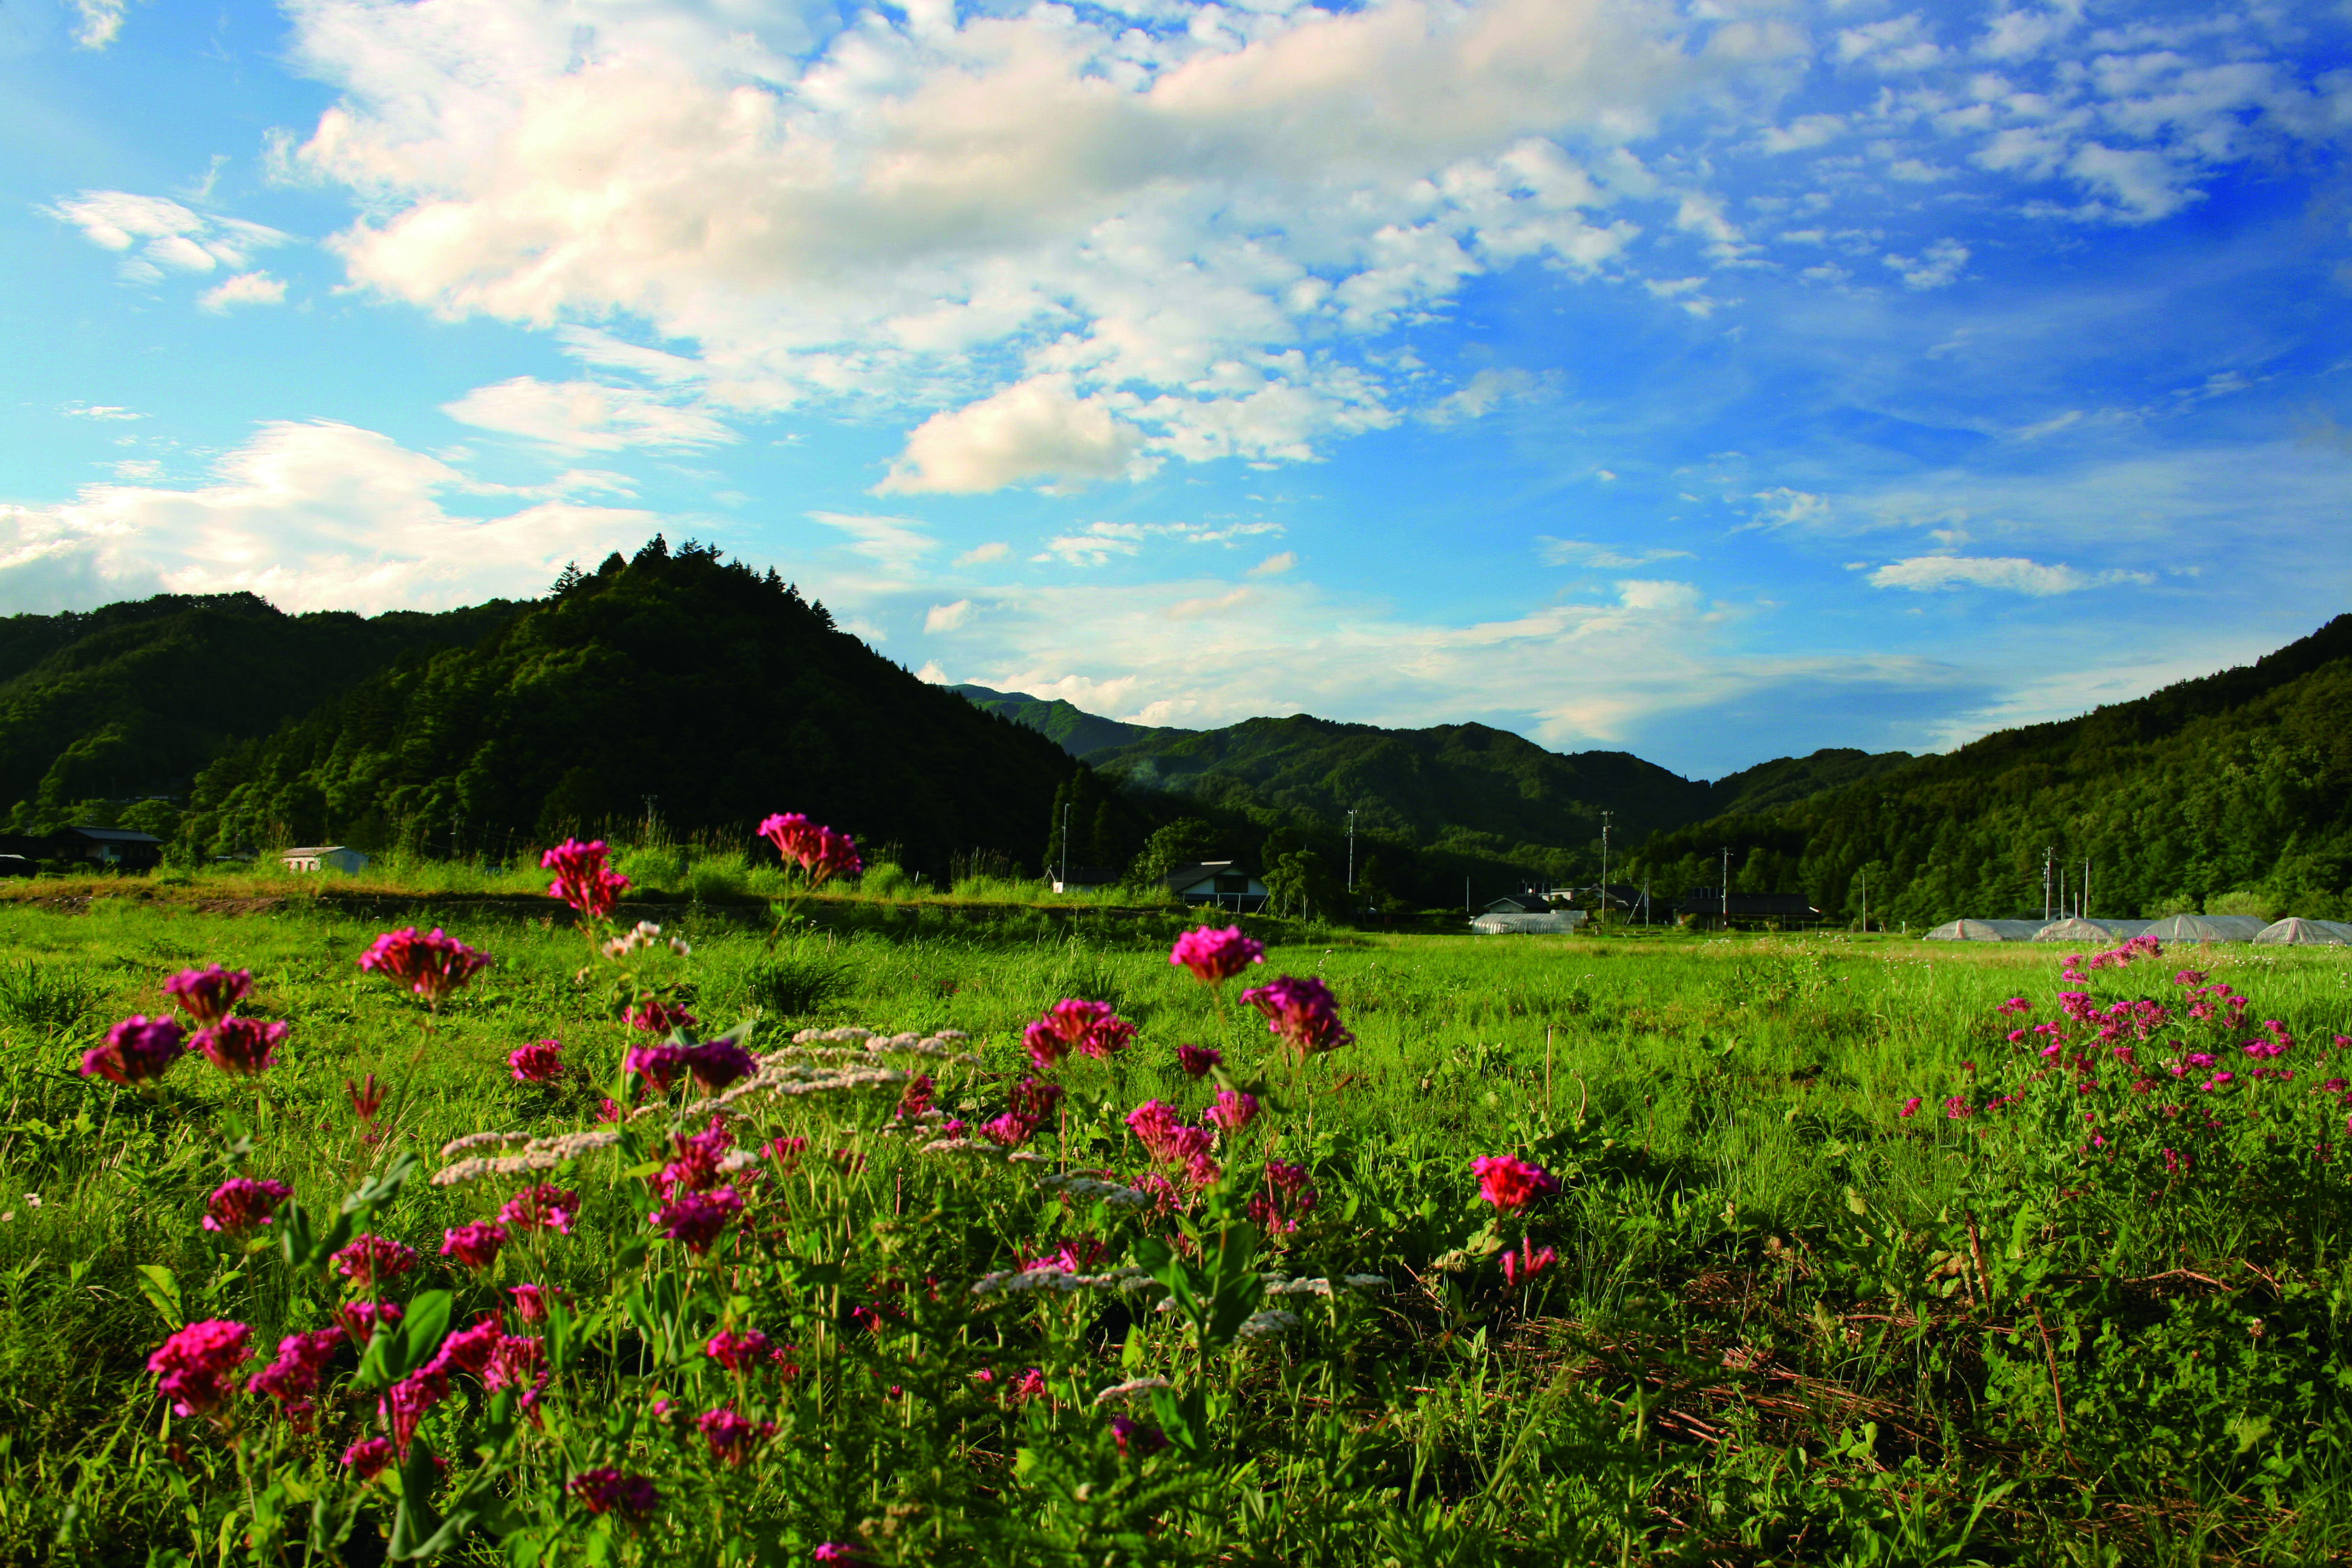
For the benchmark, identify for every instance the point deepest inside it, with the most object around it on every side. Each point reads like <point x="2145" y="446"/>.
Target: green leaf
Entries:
<point x="162" y="1288"/>
<point x="415" y="1525"/>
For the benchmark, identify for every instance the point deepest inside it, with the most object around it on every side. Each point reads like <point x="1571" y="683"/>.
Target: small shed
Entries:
<point x="323" y="857"/>
<point x="2296" y="931"/>
<point x="1220" y="882"/>
<point x="1084" y="879"/>
<point x="1519" y="904"/>
<point x="1966" y="930"/>
<point x="2207" y="928"/>
<point x="1525" y="923"/>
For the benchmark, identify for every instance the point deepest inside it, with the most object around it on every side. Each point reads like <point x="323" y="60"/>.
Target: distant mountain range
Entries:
<point x="1458" y="786"/>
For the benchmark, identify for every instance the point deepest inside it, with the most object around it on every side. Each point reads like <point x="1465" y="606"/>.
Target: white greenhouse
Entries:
<point x="2207" y="928"/>
<point x="2295" y="932"/>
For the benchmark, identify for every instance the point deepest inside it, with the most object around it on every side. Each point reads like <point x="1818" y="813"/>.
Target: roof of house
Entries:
<point x="1194" y="873"/>
<point x="1523" y="903"/>
<point x="1710" y="900"/>
<point x="315" y="849"/>
<point x="115" y="835"/>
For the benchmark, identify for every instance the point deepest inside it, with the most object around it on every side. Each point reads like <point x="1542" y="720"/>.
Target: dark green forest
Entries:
<point x="2230" y="794"/>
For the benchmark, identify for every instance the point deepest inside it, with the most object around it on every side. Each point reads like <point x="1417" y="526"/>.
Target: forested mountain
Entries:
<point x="134" y="699"/>
<point x="2234" y="789"/>
<point x="674" y="684"/>
<point x="1073" y="729"/>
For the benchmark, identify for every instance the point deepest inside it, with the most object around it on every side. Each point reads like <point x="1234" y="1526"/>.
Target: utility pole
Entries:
<point x="1065" y="844"/>
<point x="1604" y="865"/>
<point x="1351" y="851"/>
<point x="1726" y="889"/>
<point x="2048" y="856"/>
<point x="2086" y="889"/>
<point x="1865" y="903"/>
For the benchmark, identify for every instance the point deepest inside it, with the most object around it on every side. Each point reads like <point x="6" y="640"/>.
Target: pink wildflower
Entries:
<point x="731" y="1435"/>
<point x="1302" y="1013"/>
<point x="659" y="1066"/>
<point x="531" y="1302"/>
<point x="207" y="995"/>
<point x="541" y="1206"/>
<point x="1159" y="1127"/>
<point x="361" y="1318"/>
<point x="736" y="1351"/>
<point x="370" y="1259"/>
<point x="474" y="1244"/>
<point x="241" y="1203"/>
<point x="241" y="1046"/>
<point x="1234" y="1110"/>
<point x="1216" y="956"/>
<point x="1090" y="1028"/>
<point x="471" y="1348"/>
<point x="369" y="1458"/>
<point x="696" y="1219"/>
<point x="295" y="1374"/>
<point x="192" y="1367"/>
<point x="2015" y="1005"/>
<point x="820" y="851"/>
<point x="607" y="1491"/>
<point x="516" y="1362"/>
<point x="435" y="966"/>
<point x="696" y="1167"/>
<point x="656" y="1016"/>
<point x="1196" y="1061"/>
<point x="1958" y="1109"/>
<point x="582" y="877"/>
<point x="915" y="1099"/>
<point x="1509" y="1183"/>
<point x="1910" y="1106"/>
<point x="1135" y="1439"/>
<point x="609" y="1110"/>
<point x="366" y="1097"/>
<point x="137" y="1050"/>
<point x="785" y="1154"/>
<point x="1030" y="1385"/>
<point x="836" y="1551"/>
<point x="541" y="1061"/>
<point x="715" y="1064"/>
<point x="1527" y="1262"/>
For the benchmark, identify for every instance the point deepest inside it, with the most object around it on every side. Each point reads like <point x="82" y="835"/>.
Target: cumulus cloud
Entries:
<point x="1938" y="266"/>
<point x="169" y="237"/>
<point x="1036" y="430"/>
<point x="1275" y="565"/>
<point x="2010" y="573"/>
<point x="311" y="516"/>
<point x="97" y="23"/>
<point x="980" y="555"/>
<point x="947" y="617"/>
<point x="587" y="417"/>
<point x="244" y="288"/>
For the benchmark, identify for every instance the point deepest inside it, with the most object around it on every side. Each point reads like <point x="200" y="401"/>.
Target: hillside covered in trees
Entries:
<point x="672" y="685"/>
<point x="134" y="699"/>
<point x="2230" y="793"/>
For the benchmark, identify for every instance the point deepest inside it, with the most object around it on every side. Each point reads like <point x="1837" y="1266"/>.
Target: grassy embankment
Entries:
<point x="1768" y="1335"/>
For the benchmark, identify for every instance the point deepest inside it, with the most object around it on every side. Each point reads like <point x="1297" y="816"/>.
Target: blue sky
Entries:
<point x="1712" y="381"/>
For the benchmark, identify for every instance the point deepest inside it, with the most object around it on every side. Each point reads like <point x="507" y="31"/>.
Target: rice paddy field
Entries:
<point x="1607" y="1249"/>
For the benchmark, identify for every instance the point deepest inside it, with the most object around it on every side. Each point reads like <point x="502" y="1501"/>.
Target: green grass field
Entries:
<point x="1781" y="1323"/>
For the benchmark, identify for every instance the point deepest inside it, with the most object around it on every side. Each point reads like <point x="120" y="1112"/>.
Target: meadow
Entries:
<point x="1808" y="1260"/>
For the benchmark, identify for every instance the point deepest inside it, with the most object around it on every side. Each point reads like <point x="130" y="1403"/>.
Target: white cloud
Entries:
<point x="947" y="617"/>
<point x="1925" y="574"/>
<point x="98" y="411"/>
<point x="244" y="288"/>
<point x="897" y="542"/>
<point x="97" y="23"/>
<point x="1805" y="131"/>
<point x="1938" y="266"/>
<point x="1210" y="605"/>
<point x="1035" y="430"/>
<point x="1781" y="507"/>
<point x="176" y="240"/>
<point x="311" y="516"/>
<point x="587" y="417"/>
<point x="980" y="555"/>
<point x="1275" y="565"/>
<point x="137" y="468"/>
<point x="1098" y="541"/>
<point x="1577" y="552"/>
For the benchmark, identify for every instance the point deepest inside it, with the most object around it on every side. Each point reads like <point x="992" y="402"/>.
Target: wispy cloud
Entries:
<point x="2012" y="574"/>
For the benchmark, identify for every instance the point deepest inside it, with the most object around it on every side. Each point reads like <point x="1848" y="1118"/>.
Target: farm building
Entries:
<point x="1505" y="922"/>
<point x="1519" y="904"/>
<point x="1709" y="908"/>
<point x="2207" y="928"/>
<point x="323" y="857"/>
<point x="108" y="846"/>
<point x="1219" y="882"/>
<point x="2295" y="932"/>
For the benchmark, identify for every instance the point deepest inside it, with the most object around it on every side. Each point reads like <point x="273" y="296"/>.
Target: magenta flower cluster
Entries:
<point x="1302" y="1013"/>
<point x="817" y="850"/>
<point x="582" y="879"/>
<point x="433" y="964"/>
<point x="242" y="1202"/>
<point x="541" y="1061"/>
<point x="1509" y="1183"/>
<point x="1029" y="1106"/>
<point x="1089" y="1029"/>
<point x="1216" y="956"/>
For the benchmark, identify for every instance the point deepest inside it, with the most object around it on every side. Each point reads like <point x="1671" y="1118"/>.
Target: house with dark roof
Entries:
<point x="1220" y="882"/>
<point x="1709" y="908"/>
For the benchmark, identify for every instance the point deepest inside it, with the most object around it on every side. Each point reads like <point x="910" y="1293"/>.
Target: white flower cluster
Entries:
<point x="1020" y="1281"/>
<point x="644" y="933"/>
<point x="1268" y="1323"/>
<point x="736" y="1160"/>
<point x="538" y="1154"/>
<point x="482" y="1141"/>
<point x="1086" y="1189"/>
<point x="788" y="1077"/>
<point x="1133" y="1388"/>
<point x="1275" y="1285"/>
<point x="840" y="1044"/>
